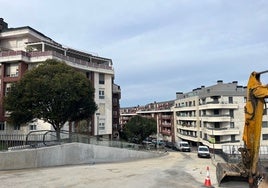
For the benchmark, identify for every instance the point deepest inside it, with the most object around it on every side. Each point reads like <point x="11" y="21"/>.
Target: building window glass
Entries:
<point x="101" y="126"/>
<point x="8" y="87"/>
<point x="32" y="127"/>
<point x="265" y="111"/>
<point x="101" y="78"/>
<point x="101" y="94"/>
<point x="16" y="127"/>
<point x="2" y="126"/>
<point x="232" y="125"/>
<point x="115" y="101"/>
<point x="231" y="100"/>
<point x="265" y="137"/>
<point x="264" y="124"/>
<point x="11" y="70"/>
<point x="90" y="76"/>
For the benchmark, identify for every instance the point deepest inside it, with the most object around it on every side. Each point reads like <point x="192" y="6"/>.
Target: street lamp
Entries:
<point x="213" y="142"/>
<point x="98" y="116"/>
<point x="157" y="132"/>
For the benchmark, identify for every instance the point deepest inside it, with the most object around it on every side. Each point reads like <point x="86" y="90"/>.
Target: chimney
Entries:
<point x="219" y="82"/>
<point x="3" y="25"/>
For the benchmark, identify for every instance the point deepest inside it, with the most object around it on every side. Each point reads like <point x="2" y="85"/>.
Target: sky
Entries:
<point x="158" y="47"/>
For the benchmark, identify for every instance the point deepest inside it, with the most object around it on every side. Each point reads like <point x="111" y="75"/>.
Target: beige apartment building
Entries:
<point x="23" y="48"/>
<point x="212" y="116"/>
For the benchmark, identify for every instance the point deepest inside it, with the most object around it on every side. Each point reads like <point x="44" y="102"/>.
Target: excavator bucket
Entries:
<point x="230" y="172"/>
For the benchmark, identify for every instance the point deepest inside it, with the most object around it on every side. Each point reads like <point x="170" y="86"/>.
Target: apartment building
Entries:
<point x="213" y="116"/>
<point x="23" y="48"/>
<point x="116" y="111"/>
<point x="160" y="111"/>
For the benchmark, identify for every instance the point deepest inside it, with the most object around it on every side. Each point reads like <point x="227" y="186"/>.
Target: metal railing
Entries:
<point x="46" y="138"/>
<point x="231" y="154"/>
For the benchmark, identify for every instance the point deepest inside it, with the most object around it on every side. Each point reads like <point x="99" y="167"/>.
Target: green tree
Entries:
<point x="53" y="92"/>
<point x="138" y="128"/>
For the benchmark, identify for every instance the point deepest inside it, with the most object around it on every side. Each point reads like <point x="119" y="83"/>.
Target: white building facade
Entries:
<point x="23" y="48"/>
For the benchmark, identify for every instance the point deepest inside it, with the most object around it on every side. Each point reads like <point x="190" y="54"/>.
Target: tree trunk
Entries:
<point x="57" y="128"/>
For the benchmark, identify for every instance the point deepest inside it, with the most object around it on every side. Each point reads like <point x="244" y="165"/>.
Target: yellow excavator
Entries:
<point x="249" y="167"/>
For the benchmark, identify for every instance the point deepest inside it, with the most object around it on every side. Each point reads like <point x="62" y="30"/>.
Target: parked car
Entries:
<point x="170" y="145"/>
<point x="203" y="151"/>
<point x="182" y="146"/>
<point x="159" y="142"/>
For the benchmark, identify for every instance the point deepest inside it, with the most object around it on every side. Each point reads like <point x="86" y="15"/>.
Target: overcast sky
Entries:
<point x="158" y="47"/>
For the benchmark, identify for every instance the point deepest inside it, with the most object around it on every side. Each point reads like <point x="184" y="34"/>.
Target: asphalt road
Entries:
<point x="176" y="169"/>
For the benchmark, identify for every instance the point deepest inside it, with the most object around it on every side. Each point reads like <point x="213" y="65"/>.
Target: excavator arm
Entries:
<point x="248" y="166"/>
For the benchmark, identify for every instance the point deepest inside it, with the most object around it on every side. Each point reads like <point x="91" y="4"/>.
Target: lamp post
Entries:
<point x="157" y="131"/>
<point x="213" y="142"/>
<point x="98" y="119"/>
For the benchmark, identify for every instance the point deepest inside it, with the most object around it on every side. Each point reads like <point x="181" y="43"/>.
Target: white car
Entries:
<point x="203" y="151"/>
<point x="182" y="146"/>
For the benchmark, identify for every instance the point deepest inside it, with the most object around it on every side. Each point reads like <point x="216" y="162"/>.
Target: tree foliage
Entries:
<point x="53" y="92"/>
<point x="138" y="128"/>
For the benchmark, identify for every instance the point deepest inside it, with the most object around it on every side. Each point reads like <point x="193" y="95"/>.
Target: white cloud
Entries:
<point x="157" y="47"/>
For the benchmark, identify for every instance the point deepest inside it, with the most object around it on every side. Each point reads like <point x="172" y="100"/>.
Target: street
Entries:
<point x="176" y="169"/>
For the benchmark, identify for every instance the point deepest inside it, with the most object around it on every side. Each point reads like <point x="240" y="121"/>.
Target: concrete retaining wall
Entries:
<point x="68" y="154"/>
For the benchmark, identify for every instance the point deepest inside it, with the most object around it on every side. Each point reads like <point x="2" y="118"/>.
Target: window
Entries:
<point x="217" y="125"/>
<point x="101" y="78"/>
<point x="265" y="137"/>
<point x="264" y="124"/>
<point x="115" y="113"/>
<point x="32" y="127"/>
<point x="2" y="126"/>
<point x="101" y="94"/>
<point x="115" y="101"/>
<point x="232" y="125"/>
<point x="265" y="111"/>
<point x="216" y="112"/>
<point x="231" y="113"/>
<point x="16" y="127"/>
<point x="8" y="87"/>
<point x="11" y="70"/>
<point x="89" y="75"/>
<point x="231" y="100"/>
<point x="101" y="126"/>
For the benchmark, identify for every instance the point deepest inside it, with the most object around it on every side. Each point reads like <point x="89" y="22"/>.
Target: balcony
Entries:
<point x="166" y="116"/>
<point x="187" y="118"/>
<point x="188" y="137"/>
<point x="187" y="128"/>
<point x="222" y="131"/>
<point x="164" y="124"/>
<point x="218" y="144"/>
<point x="218" y="105"/>
<point x="38" y="56"/>
<point x="166" y="132"/>
<point x="216" y="118"/>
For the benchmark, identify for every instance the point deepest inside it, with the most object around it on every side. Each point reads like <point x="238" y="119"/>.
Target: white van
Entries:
<point x="182" y="146"/>
<point x="203" y="151"/>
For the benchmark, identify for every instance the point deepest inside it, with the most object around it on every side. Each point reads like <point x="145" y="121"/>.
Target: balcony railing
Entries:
<point x="166" y="132"/>
<point x="14" y="53"/>
<point x="56" y="54"/>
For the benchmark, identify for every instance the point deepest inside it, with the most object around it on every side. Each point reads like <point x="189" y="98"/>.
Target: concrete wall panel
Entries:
<point x="68" y="154"/>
